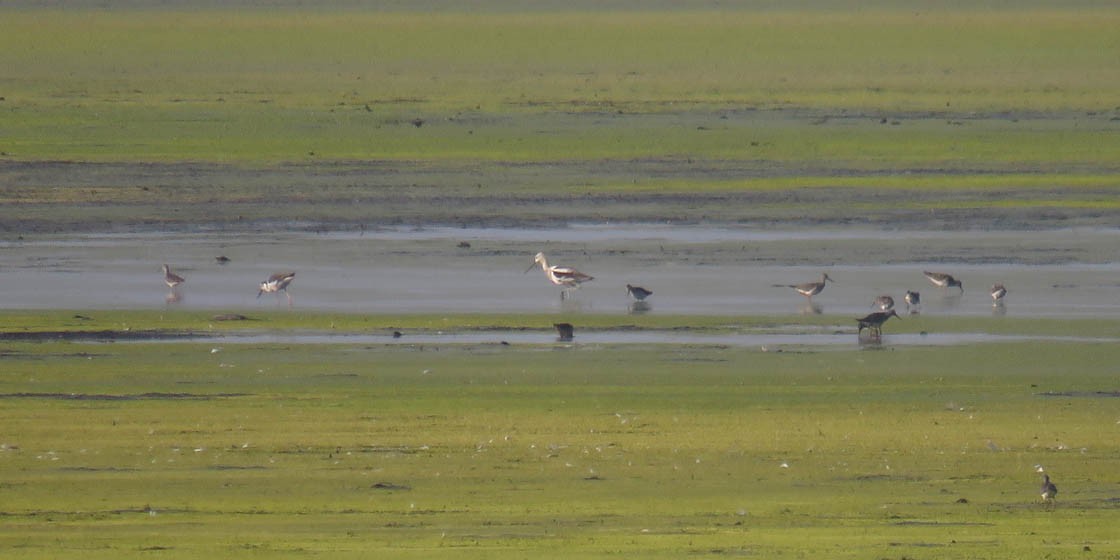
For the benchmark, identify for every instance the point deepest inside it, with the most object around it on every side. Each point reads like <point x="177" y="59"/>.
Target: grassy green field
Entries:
<point x="349" y="117"/>
<point x="115" y="450"/>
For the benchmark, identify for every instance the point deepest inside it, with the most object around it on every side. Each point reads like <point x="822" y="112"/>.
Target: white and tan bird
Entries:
<point x="170" y="278"/>
<point x="277" y="283"/>
<point x="566" y="277"/>
<point x="808" y="289"/>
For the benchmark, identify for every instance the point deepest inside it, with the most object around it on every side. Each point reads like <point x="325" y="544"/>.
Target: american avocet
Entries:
<point x="912" y="299"/>
<point x="566" y="277"/>
<point x="278" y="283"/>
<point x="1048" y="490"/>
<point x="637" y="292"/>
<point x="874" y="322"/>
<point x="170" y="278"/>
<point x="998" y="291"/>
<point x="883" y="303"/>
<point x="942" y="280"/>
<point x="808" y="289"/>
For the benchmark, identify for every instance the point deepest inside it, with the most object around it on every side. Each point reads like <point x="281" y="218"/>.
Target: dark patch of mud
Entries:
<point x="1082" y="394"/>
<point x="352" y="196"/>
<point x="97" y="336"/>
<point x="107" y="397"/>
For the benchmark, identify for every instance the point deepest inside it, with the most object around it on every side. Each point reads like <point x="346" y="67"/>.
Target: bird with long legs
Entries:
<point x="998" y="292"/>
<point x="566" y="277"/>
<point x="173" y="281"/>
<point x="883" y="303"/>
<point x="808" y="289"/>
<point x="913" y="301"/>
<point x="874" y="323"/>
<point x="1048" y="490"/>
<point x="942" y="280"/>
<point x="638" y="293"/>
<point x="277" y="283"/>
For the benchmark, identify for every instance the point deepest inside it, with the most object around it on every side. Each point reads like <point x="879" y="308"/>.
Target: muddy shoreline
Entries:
<point x="76" y="197"/>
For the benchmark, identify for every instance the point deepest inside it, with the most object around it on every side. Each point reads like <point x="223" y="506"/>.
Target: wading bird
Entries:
<point x="883" y="303"/>
<point x="565" y="331"/>
<point x="912" y="299"/>
<point x="278" y="283"/>
<point x="943" y="280"/>
<point x="874" y="322"/>
<point x="170" y="278"/>
<point x="637" y="292"/>
<point x="566" y="277"/>
<point x="1048" y="491"/>
<point x="998" y="291"/>
<point x="808" y="289"/>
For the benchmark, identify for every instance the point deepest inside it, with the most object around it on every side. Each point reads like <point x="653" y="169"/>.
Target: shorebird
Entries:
<point x="943" y="280"/>
<point x="808" y="289"/>
<point x="883" y="303"/>
<point x="913" y="299"/>
<point x="565" y="330"/>
<point x="874" y="322"/>
<point x="998" y="291"/>
<point x="639" y="293"/>
<point x="170" y="278"/>
<point x="222" y="259"/>
<point x="278" y="283"/>
<point x="566" y="277"/>
<point x="1048" y="491"/>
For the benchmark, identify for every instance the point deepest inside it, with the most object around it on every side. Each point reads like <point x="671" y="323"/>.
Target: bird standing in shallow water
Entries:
<point x="1048" y="490"/>
<point x="912" y="299"/>
<point x="278" y="283"/>
<point x="874" y="322"/>
<point x="883" y="303"/>
<point x="808" y="289"/>
<point x="566" y="277"/>
<point x="170" y="278"/>
<point x="637" y="292"/>
<point x="942" y="280"/>
<point x="565" y="331"/>
<point x="998" y="291"/>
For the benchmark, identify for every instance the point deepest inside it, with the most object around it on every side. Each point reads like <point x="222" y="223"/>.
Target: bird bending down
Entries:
<point x="566" y="277"/>
<point x="278" y="283"/>
<point x="874" y="322"/>
<point x="565" y="331"/>
<point x="1048" y="490"/>
<point x="998" y="291"/>
<point x="883" y="303"/>
<point x="943" y="280"/>
<point x="809" y="289"/>
<point x="170" y="278"/>
<point x="637" y="292"/>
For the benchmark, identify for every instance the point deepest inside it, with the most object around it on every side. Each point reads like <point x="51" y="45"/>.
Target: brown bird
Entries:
<point x="998" y="291"/>
<point x="1048" y="490"/>
<point x="874" y="322"/>
<point x="942" y="280"/>
<point x="170" y="278"/>
<point x="565" y="330"/>
<point x="808" y="289"/>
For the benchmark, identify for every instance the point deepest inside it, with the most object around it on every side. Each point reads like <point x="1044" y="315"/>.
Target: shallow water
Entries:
<point x="692" y="270"/>
<point x="765" y="341"/>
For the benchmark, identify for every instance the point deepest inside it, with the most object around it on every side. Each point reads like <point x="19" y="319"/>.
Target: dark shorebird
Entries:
<point x="883" y="303"/>
<point x="942" y="280"/>
<point x="222" y="259"/>
<point x="809" y="289"/>
<point x="566" y="277"/>
<point x="565" y="330"/>
<point x="278" y="283"/>
<point x="912" y="299"/>
<point x="874" y="322"/>
<point x="1048" y="491"/>
<point x="637" y="292"/>
<point x="170" y="278"/>
<point x="998" y="291"/>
